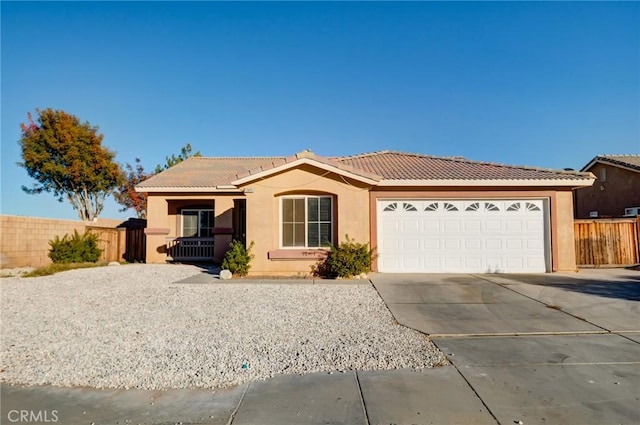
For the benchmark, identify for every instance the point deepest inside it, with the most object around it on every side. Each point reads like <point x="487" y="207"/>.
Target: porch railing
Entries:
<point x="189" y="249"/>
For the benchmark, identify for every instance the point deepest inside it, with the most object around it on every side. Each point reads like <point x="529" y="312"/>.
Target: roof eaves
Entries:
<point x="190" y="189"/>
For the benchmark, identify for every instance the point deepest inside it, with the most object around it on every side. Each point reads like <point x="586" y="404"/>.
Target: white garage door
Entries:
<point x="470" y="236"/>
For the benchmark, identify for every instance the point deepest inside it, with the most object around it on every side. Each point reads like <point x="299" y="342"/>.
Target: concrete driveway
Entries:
<point x="541" y="349"/>
<point x="591" y="301"/>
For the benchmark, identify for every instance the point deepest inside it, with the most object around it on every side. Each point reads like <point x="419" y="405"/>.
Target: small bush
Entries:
<point x="238" y="258"/>
<point x="322" y="269"/>
<point x="76" y="248"/>
<point x="348" y="259"/>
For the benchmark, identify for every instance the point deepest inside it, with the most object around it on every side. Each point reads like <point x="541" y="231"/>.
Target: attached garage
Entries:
<point x="463" y="236"/>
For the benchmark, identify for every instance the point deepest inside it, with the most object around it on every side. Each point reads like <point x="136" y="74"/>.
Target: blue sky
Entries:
<point x="545" y="84"/>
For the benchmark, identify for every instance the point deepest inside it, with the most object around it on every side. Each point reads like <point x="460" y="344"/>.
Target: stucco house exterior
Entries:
<point x="421" y="213"/>
<point x="616" y="191"/>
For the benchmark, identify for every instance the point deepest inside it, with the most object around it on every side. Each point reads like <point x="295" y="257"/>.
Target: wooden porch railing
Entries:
<point x="190" y="249"/>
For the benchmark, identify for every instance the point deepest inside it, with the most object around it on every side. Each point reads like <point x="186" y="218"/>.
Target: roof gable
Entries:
<point x="306" y="157"/>
<point x="629" y="162"/>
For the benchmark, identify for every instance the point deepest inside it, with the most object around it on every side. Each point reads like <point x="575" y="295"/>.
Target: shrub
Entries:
<point x="322" y="269"/>
<point x="348" y="259"/>
<point x="237" y="258"/>
<point x="76" y="248"/>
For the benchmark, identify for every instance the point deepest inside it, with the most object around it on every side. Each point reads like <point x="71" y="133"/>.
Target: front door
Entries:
<point x="240" y="220"/>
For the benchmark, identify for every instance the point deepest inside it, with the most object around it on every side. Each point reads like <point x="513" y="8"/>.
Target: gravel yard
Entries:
<point x="132" y="326"/>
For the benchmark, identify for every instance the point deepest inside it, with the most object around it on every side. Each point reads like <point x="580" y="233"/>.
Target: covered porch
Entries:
<point x="197" y="228"/>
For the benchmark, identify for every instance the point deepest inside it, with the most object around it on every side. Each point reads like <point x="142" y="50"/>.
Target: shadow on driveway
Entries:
<point x="619" y="286"/>
<point x="455" y="304"/>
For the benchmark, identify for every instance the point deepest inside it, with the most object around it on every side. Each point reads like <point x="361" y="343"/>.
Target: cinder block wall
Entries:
<point x="24" y="241"/>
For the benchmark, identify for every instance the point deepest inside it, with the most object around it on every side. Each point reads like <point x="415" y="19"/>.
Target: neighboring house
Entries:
<point x="616" y="191"/>
<point x="421" y="213"/>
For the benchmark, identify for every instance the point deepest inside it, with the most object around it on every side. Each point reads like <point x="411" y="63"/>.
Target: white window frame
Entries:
<point x="183" y="210"/>
<point x="306" y="220"/>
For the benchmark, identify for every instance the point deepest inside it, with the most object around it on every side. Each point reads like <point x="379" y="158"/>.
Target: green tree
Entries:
<point x="66" y="157"/>
<point x="185" y="152"/>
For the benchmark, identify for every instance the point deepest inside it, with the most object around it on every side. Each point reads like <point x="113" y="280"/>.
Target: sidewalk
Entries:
<point x="431" y="396"/>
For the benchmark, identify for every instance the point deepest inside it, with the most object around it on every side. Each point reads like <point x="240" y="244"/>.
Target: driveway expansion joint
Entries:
<point x="364" y="406"/>
<point x="495" y="418"/>
<point x="235" y="411"/>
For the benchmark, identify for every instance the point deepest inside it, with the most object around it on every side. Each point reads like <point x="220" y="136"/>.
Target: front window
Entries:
<point x="307" y="221"/>
<point x="197" y="223"/>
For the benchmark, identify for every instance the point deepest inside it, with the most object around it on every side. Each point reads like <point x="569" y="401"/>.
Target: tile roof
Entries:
<point x="209" y="172"/>
<point x="406" y="166"/>
<point x="629" y="161"/>
<point x="206" y="171"/>
<point x="331" y="162"/>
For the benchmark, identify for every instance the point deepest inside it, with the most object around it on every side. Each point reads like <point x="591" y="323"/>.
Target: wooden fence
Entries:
<point x="607" y="242"/>
<point x="109" y="241"/>
<point x="135" y="245"/>
<point x="125" y="242"/>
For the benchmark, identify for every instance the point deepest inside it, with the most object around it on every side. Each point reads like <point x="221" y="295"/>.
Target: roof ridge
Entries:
<point x="388" y="151"/>
<point x="236" y="157"/>
<point x="617" y="154"/>
<point x="360" y="155"/>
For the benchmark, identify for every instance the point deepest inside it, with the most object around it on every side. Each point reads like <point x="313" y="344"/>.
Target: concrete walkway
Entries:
<point x="541" y="349"/>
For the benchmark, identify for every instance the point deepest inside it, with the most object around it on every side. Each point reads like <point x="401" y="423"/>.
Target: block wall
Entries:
<point x="24" y="241"/>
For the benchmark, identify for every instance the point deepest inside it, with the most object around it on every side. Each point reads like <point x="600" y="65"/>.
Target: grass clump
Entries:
<point x="62" y="267"/>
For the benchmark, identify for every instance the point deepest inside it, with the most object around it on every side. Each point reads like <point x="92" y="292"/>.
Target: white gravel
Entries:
<point x="132" y="326"/>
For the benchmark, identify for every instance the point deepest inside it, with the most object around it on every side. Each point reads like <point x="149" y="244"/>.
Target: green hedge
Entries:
<point x="76" y="248"/>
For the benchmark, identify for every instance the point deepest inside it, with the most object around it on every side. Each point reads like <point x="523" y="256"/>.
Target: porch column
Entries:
<point x="157" y="229"/>
<point x="223" y="230"/>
